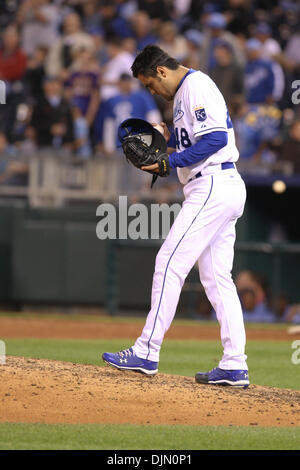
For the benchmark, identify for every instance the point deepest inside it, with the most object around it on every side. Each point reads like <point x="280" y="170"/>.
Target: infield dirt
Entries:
<point x="44" y="391"/>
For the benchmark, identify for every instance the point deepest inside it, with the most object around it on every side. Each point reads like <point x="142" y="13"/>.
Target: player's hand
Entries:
<point x="166" y="133"/>
<point x="154" y="167"/>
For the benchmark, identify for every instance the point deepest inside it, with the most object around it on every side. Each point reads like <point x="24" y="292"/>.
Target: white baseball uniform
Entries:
<point x="204" y="230"/>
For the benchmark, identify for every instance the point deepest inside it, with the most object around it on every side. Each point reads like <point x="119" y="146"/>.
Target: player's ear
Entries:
<point x="161" y="71"/>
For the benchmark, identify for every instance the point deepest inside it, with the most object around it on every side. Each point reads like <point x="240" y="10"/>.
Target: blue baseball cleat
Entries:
<point x="127" y="360"/>
<point x="217" y="376"/>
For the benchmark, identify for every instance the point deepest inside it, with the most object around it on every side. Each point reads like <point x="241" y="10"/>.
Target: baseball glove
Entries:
<point x="143" y="146"/>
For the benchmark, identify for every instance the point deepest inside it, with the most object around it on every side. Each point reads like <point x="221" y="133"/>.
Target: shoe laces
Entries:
<point x="126" y="353"/>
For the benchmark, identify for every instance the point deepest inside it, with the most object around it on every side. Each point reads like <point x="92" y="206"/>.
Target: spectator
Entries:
<point x="239" y="15"/>
<point x="215" y="31"/>
<point x="13" y="172"/>
<point x="111" y="22"/>
<point x="253" y="294"/>
<point x="228" y="75"/>
<point x="253" y="311"/>
<point x="35" y="73"/>
<point x="282" y="306"/>
<point x="271" y="51"/>
<point x="126" y="8"/>
<point x="38" y="20"/>
<point x="156" y="9"/>
<point x="61" y="53"/>
<point x="256" y="128"/>
<point x="82" y="141"/>
<point x="97" y="36"/>
<point x="12" y="70"/>
<point x="200" y="12"/>
<point x="180" y="14"/>
<point x="119" y="62"/>
<point x="171" y="42"/>
<point x="51" y="124"/>
<point x="13" y="167"/>
<point x="82" y="91"/>
<point x="291" y="57"/>
<point x="8" y="10"/>
<point x="82" y="84"/>
<point x="129" y="45"/>
<point x="12" y="57"/>
<point x="283" y="19"/>
<point x="129" y="102"/>
<point x="91" y="17"/>
<point x="292" y="314"/>
<point x="142" y="30"/>
<point x="259" y="75"/>
<point x="270" y="48"/>
<point x="193" y="41"/>
<point x="249" y="280"/>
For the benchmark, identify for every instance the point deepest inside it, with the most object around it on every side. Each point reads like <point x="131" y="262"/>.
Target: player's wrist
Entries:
<point x="170" y="150"/>
<point x="172" y="159"/>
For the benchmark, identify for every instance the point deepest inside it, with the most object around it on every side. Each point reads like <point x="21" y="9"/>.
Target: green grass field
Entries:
<point x="269" y="364"/>
<point x="126" y="436"/>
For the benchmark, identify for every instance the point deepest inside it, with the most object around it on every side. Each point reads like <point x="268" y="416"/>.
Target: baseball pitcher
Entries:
<point x="202" y="149"/>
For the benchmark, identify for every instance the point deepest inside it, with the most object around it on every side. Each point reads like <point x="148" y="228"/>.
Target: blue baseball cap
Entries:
<point x="216" y="21"/>
<point x="253" y="45"/>
<point x="194" y="36"/>
<point x="223" y="43"/>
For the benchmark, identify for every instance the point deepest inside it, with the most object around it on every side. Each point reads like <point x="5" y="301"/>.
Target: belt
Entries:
<point x="224" y="166"/>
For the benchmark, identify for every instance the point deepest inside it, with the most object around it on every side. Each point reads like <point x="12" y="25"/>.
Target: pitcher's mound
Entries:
<point x="43" y="391"/>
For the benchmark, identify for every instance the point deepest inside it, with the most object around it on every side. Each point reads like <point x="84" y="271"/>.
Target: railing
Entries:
<point x="54" y="178"/>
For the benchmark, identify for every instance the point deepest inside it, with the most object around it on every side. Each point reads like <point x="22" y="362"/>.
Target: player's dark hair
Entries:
<point x="151" y="57"/>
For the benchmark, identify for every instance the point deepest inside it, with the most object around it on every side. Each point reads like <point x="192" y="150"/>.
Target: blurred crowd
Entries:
<point x="66" y="66"/>
<point x="259" y="304"/>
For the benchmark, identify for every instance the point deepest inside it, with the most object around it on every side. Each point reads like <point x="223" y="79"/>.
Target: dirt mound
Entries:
<point x="35" y="390"/>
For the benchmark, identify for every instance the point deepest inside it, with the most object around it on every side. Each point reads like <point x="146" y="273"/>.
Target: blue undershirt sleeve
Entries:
<point x="204" y="148"/>
<point x="172" y="140"/>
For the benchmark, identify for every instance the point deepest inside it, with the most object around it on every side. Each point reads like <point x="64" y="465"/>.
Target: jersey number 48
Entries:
<point x="182" y="138"/>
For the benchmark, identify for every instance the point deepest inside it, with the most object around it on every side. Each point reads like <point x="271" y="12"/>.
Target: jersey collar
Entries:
<point x="184" y="77"/>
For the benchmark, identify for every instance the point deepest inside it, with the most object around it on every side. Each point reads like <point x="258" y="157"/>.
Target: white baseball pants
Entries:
<point x="203" y="231"/>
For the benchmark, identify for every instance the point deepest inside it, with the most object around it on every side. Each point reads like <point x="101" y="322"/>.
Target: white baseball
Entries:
<point x="159" y="128"/>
